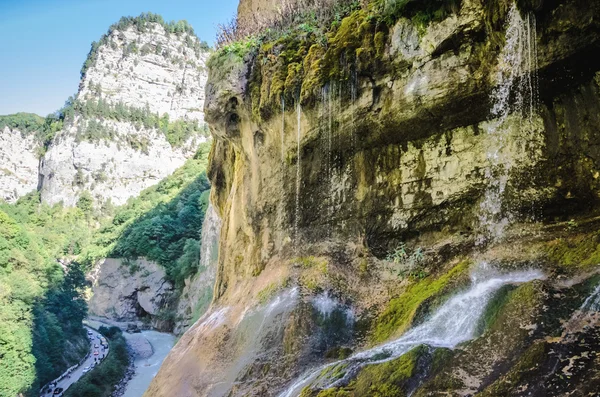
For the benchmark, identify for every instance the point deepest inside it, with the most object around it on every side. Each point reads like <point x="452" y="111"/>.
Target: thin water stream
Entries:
<point x="515" y="92"/>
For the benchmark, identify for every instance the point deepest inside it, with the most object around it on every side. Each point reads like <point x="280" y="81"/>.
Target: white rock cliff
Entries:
<point x="18" y="164"/>
<point x="136" y="74"/>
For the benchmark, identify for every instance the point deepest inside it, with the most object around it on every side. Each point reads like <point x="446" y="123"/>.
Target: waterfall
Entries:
<point x="592" y="303"/>
<point x="326" y="305"/>
<point x="454" y="322"/>
<point x="515" y="92"/>
<point x="254" y="335"/>
<point x="326" y="117"/>
<point x="282" y="129"/>
<point x="298" y="175"/>
<point x="211" y="229"/>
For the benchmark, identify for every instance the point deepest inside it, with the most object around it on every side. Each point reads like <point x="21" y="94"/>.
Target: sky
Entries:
<point x="43" y="43"/>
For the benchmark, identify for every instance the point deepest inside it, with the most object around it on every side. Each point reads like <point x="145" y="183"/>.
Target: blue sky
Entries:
<point x="43" y="43"/>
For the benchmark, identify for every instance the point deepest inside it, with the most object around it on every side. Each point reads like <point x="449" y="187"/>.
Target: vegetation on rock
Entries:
<point x="162" y="224"/>
<point x="402" y="311"/>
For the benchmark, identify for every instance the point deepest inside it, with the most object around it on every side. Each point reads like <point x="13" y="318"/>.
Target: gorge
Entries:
<point x="397" y="198"/>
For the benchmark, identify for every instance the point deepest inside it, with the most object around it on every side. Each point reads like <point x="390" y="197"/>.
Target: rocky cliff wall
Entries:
<point x="130" y="291"/>
<point x="18" y="164"/>
<point x="352" y="180"/>
<point x="408" y="154"/>
<point x="140" y="98"/>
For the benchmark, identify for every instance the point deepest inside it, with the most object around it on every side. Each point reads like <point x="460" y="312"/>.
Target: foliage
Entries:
<point x="422" y="12"/>
<point x="162" y="224"/>
<point x="305" y="14"/>
<point x="57" y="322"/>
<point x="42" y="129"/>
<point x="402" y="311"/>
<point x="101" y="380"/>
<point x="41" y="306"/>
<point x="25" y="123"/>
<point x="176" y="132"/>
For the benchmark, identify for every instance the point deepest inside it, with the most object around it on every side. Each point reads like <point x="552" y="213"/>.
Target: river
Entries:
<point x="147" y="368"/>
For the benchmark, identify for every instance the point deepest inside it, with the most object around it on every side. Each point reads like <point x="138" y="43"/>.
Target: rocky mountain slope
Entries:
<point x="19" y="150"/>
<point x="140" y="99"/>
<point x="391" y="171"/>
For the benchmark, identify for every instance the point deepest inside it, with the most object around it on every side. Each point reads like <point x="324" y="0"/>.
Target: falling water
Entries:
<point x="515" y="92"/>
<point x="592" y="303"/>
<point x="282" y="129"/>
<point x="326" y="305"/>
<point x="298" y="174"/>
<point x="254" y="336"/>
<point x="326" y="128"/>
<point x="454" y="322"/>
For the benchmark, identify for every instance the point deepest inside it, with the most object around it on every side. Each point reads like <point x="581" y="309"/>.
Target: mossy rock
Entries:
<point x="573" y="253"/>
<point x="512" y="325"/>
<point x="403" y="310"/>
<point x="389" y="379"/>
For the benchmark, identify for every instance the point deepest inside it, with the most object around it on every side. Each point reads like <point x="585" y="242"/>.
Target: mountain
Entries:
<point x="19" y="154"/>
<point x="140" y="99"/>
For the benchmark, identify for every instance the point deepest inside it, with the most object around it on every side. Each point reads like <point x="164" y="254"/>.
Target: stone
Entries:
<point x="18" y="164"/>
<point x="128" y="290"/>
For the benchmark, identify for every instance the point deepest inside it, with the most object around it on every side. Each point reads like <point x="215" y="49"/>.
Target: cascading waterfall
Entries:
<point x="515" y="92"/>
<point x="298" y="174"/>
<point x="326" y="117"/>
<point x="282" y="129"/>
<point x="592" y="303"/>
<point x="255" y="331"/>
<point x="454" y="322"/>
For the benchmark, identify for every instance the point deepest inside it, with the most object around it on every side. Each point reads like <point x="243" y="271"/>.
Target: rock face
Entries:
<point x="112" y="169"/>
<point x="197" y="293"/>
<point x="140" y="99"/>
<point x="18" y="164"/>
<point x="129" y="290"/>
<point x="355" y="173"/>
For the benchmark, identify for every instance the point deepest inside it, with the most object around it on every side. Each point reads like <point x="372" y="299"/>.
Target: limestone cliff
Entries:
<point x="129" y="291"/>
<point x="140" y="99"/>
<point x="360" y="175"/>
<point x="18" y="163"/>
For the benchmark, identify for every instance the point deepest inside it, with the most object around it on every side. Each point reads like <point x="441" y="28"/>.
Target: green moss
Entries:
<point x="401" y="311"/>
<point x="309" y="262"/>
<point x="333" y="393"/>
<point x="388" y="379"/>
<point x="339" y="353"/>
<point x="334" y="372"/>
<point x="267" y="293"/>
<point x="493" y="309"/>
<point x="575" y="252"/>
<point x="293" y="81"/>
